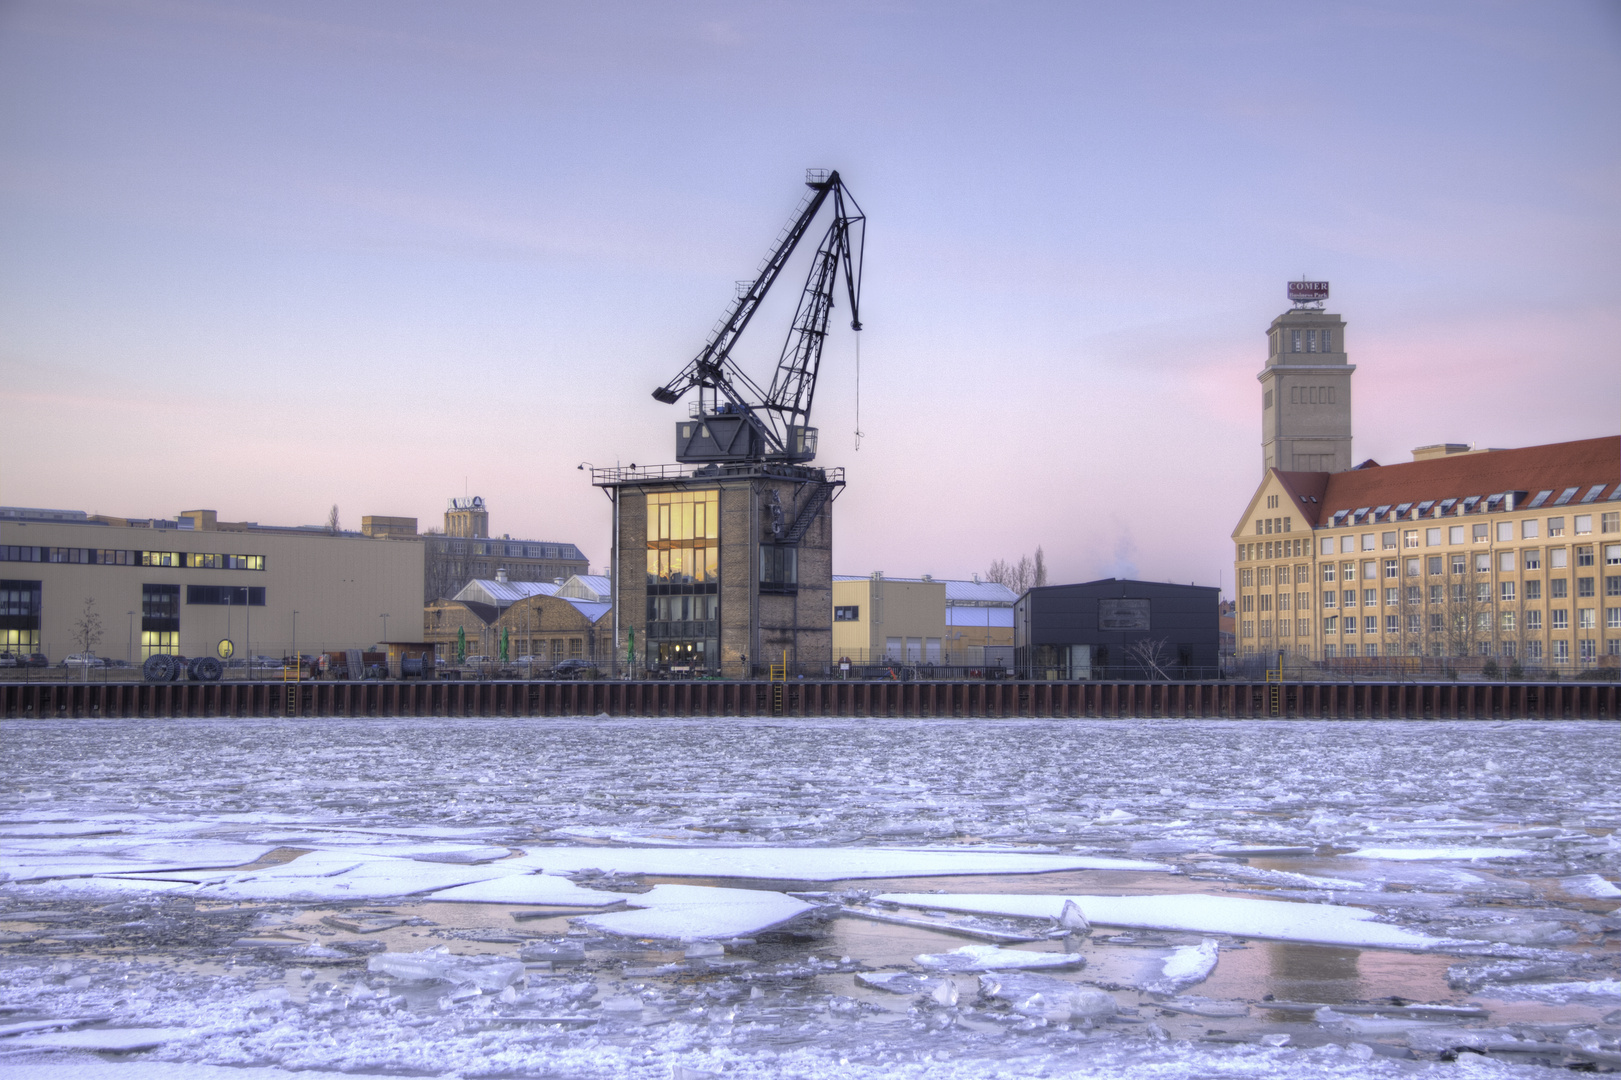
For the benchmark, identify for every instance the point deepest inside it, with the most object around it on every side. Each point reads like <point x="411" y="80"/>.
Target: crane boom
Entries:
<point x="734" y="419"/>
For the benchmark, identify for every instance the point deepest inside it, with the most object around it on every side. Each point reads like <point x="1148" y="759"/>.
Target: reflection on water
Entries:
<point x="1290" y="971"/>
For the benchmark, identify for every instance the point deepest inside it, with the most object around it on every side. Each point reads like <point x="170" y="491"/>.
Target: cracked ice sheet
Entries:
<point x="532" y="889"/>
<point x="693" y="912"/>
<point x="1426" y="854"/>
<point x="813" y="864"/>
<point x="332" y="875"/>
<point x="1318" y="924"/>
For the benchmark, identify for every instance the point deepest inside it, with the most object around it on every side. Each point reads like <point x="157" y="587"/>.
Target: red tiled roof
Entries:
<point x="1531" y="469"/>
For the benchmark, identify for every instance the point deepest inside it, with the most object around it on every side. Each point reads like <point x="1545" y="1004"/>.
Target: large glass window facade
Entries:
<point x="19" y="616"/>
<point x="683" y="580"/>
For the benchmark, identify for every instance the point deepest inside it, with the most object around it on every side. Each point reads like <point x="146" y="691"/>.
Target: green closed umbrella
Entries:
<point x="461" y="644"/>
<point x="503" y="644"/>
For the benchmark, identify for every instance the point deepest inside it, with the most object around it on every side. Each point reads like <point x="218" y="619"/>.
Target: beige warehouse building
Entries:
<point x="197" y="586"/>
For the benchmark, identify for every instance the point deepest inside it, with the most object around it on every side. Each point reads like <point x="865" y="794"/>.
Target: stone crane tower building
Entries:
<point x="1306" y="387"/>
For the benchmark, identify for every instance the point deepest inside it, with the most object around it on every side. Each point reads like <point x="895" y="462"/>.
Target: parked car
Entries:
<point x="574" y="668"/>
<point x="34" y="659"/>
<point x="83" y="660"/>
<point x="7" y="660"/>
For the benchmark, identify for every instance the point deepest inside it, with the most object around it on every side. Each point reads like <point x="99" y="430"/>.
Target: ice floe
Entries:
<point x="694" y="912"/>
<point x="816" y="864"/>
<point x="1323" y="924"/>
<point x="994" y="958"/>
<point x="332" y="875"/>
<point x="1431" y="854"/>
<point x="530" y="889"/>
<point x="1187" y="965"/>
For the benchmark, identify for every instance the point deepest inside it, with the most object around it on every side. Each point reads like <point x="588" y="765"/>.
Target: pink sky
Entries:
<point x="266" y="259"/>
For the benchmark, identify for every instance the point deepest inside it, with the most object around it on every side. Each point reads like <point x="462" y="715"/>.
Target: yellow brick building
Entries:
<point x="1512" y="556"/>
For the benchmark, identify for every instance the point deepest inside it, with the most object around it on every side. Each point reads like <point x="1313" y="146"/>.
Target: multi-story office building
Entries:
<point x="466" y="551"/>
<point x="198" y="586"/>
<point x="1507" y="554"/>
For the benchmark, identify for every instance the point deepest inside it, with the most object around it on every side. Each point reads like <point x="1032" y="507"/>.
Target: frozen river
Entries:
<point x="657" y="898"/>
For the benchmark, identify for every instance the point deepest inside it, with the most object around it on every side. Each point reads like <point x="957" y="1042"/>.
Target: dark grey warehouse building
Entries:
<point x="1117" y="629"/>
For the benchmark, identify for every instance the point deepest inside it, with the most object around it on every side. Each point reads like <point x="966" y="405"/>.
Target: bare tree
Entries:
<point x="442" y="572"/>
<point x="1022" y="575"/>
<point x="1153" y="654"/>
<point x="87" y="627"/>
<point x="332" y="525"/>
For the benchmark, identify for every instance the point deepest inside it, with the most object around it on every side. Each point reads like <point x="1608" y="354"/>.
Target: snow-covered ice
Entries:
<point x="993" y="958"/>
<point x="415" y="896"/>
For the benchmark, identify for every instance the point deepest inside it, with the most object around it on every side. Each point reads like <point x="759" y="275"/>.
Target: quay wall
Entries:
<point x="989" y="699"/>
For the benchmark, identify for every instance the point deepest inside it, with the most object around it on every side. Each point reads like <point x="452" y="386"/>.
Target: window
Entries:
<point x="1370" y="597"/>
<point x="1328" y="652"/>
<point x="1589" y="649"/>
<point x="1480" y="534"/>
<point x="576" y="647"/>
<point x="1483" y="563"/>
<point x="1509" y="650"/>
<point x="1266" y="627"/>
<point x="1368" y="540"/>
<point x="1432" y="537"/>
<point x="1370" y="624"/>
<point x="1330" y="598"/>
<point x="1505" y="562"/>
<point x="1541" y="497"/>
<point x="1587" y="618"/>
<point x="1556" y="558"/>
<point x="1246" y="578"/>
<point x="240" y="596"/>
<point x="1507" y="622"/>
<point x="1294" y="341"/>
<point x="1391" y="569"/>
<point x="1435" y="594"/>
<point x="1412" y="624"/>
<point x="1271" y="502"/>
<point x="1388" y="540"/>
<point x="160" y="607"/>
<point x="1246" y="602"/>
<point x="1412" y="567"/>
<point x="1327" y="546"/>
<point x="1266" y="604"/>
<point x="1303" y="627"/>
<point x="1283" y="601"/>
<point x="1265" y="576"/>
<point x="1559" y="619"/>
<point x="1561" y="652"/>
<point x="1328" y="571"/>
<point x="1556" y="526"/>
<point x="1347" y="571"/>
<point x="683" y="530"/>
<point x="1348" y="598"/>
<point x="1392" y="598"/>
<point x="1391" y="625"/>
<point x="1584" y="586"/>
<point x="1610" y="522"/>
<point x="847" y="614"/>
<point x="1483" y="592"/>
<point x="159" y="641"/>
<point x="779" y="568"/>
<point x="1528" y="529"/>
<point x="1331" y="624"/>
<point x="1505" y="531"/>
<point x="1612" y="585"/>
<point x="1612" y="554"/>
<point x="1533" y="651"/>
<point x="1347" y="543"/>
<point x="1612" y="618"/>
<point x="1506" y="593"/>
<point x="1455" y="534"/>
<point x="1435" y="622"/>
<point x="1556" y="589"/>
<point x="1584" y="555"/>
<point x="1584" y="524"/>
<point x="1459" y="563"/>
<point x="1247" y="629"/>
<point x="1459" y="593"/>
<point x="1533" y="590"/>
<point x="1531" y="559"/>
<point x="1302" y="602"/>
<point x="1566" y="495"/>
<point x="1413" y="596"/>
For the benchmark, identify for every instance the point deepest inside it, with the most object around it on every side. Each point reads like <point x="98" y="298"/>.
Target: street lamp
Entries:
<point x="384" y="617"/>
<point x="295" y="637"/>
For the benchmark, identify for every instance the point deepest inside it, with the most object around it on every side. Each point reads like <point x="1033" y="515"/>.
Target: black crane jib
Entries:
<point x="734" y="418"/>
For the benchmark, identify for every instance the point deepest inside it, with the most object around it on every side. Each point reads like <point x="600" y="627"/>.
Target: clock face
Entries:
<point x="226" y="648"/>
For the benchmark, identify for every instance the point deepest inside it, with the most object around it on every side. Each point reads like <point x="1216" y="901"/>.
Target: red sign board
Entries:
<point x="1308" y="290"/>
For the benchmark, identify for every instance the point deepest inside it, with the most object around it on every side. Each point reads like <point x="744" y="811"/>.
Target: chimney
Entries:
<point x="501" y="574"/>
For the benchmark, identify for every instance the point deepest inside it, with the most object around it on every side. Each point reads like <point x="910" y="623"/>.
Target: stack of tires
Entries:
<point x="160" y="667"/>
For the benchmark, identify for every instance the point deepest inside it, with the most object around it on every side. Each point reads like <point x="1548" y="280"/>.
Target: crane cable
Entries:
<point x="858" y="391"/>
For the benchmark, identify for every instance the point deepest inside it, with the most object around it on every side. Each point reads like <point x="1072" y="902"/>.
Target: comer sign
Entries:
<point x="1308" y="290"/>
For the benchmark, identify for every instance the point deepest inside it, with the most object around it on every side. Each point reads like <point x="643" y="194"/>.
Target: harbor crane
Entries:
<point x="733" y="419"/>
